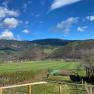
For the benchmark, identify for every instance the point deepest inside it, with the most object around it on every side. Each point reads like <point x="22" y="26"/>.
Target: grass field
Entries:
<point x="37" y="65"/>
<point x="13" y="73"/>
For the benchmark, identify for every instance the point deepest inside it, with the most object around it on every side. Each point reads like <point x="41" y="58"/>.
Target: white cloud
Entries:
<point x="66" y="25"/>
<point x="6" y="12"/>
<point x="26" y="31"/>
<point x="37" y="15"/>
<point x="5" y="3"/>
<point x="25" y="5"/>
<point x="90" y="18"/>
<point x="82" y="29"/>
<point x="61" y="3"/>
<point x="8" y="35"/>
<point x="42" y="3"/>
<point x="10" y="22"/>
<point x="26" y="22"/>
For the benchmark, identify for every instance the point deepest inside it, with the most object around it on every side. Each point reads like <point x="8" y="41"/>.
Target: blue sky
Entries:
<point x="40" y="19"/>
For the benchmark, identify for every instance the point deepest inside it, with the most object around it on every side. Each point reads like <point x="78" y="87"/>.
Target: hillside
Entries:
<point x="43" y="49"/>
<point x="14" y="50"/>
<point x="74" y="50"/>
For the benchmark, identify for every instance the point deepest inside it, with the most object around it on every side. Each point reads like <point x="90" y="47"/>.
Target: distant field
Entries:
<point x="38" y="65"/>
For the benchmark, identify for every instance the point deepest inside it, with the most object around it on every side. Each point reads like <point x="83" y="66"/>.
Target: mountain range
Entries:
<point x="44" y="49"/>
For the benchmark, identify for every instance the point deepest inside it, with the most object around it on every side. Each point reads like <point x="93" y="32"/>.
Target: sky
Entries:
<point x="42" y="19"/>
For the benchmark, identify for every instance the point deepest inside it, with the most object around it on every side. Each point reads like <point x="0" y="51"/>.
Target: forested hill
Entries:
<point x="18" y="44"/>
<point x="52" y="42"/>
<point x="42" y="49"/>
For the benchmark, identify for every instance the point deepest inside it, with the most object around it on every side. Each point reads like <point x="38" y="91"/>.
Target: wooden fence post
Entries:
<point x="1" y="91"/>
<point x="86" y="87"/>
<point x="91" y="92"/>
<point x="60" y="88"/>
<point x="29" y="89"/>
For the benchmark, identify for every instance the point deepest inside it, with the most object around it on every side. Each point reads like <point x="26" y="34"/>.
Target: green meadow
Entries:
<point x="33" y="71"/>
<point x="38" y="65"/>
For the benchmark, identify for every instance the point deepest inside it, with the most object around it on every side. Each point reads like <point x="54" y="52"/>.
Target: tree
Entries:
<point x="88" y="61"/>
<point x="34" y="53"/>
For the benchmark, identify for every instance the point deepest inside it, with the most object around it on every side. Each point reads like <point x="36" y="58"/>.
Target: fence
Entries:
<point x="59" y="88"/>
<point x="88" y="89"/>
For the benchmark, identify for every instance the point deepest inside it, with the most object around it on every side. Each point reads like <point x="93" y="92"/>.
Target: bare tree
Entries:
<point x="33" y="53"/>
<point x="88" y="62"/>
